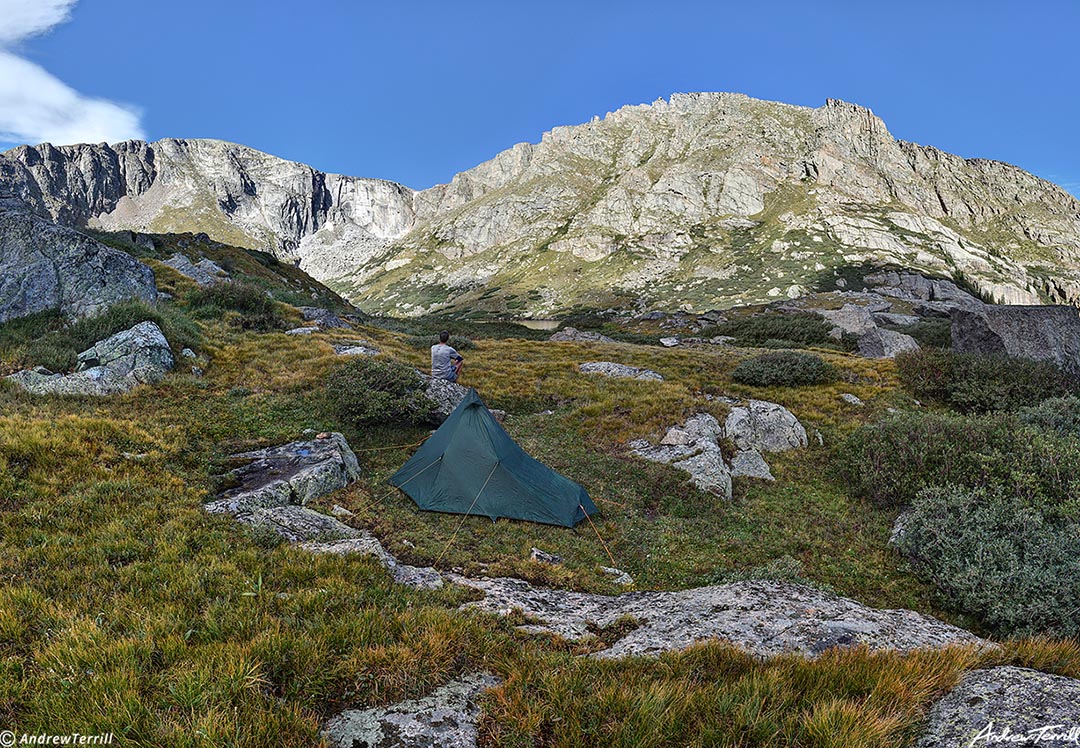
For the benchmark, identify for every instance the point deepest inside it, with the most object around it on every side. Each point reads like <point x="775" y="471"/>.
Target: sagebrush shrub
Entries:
<point x="783" y="369"/>
<point x="376" y="390"/>
<point x="977" y="383"/>
<point x="1015" y="567"/>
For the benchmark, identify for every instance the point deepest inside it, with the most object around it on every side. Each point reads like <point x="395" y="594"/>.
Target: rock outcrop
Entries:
<point x="444" y="719"/>
<point x="46" y="267"/>
<point x="140" y="355"/>
<point x="764" y="618"/>
<point x="1006" y="706"/>
<point x="619" y="371"/>
<point x="204" y="272"/>
<point x="692" y="448"/>
<point x="1043" y="333"/>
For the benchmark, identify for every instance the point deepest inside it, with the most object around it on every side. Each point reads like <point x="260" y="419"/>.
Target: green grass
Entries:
<point x="125" y="608"/>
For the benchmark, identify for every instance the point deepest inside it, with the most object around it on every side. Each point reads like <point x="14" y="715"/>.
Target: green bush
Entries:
<point x="797" y="330"/>
<point x="891" y="461"/>
<point x="1060" y="414"/>
<point x="48" y="340"/>
<point x="1016" y="568"/>
<point x="375" y="390"/>
<point x="783" y="369"/>
<point x="251" y="308"/>
<point x="976" y="383"/>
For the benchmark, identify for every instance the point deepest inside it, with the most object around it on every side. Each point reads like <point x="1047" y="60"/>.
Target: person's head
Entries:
<point x="444" y="336"/>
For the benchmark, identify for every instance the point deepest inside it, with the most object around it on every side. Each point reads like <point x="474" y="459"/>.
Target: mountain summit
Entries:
<point x="706" y="200"/>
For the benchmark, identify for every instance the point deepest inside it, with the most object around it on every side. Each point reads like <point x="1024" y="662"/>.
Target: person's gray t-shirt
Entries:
<point x="442" y="357"/>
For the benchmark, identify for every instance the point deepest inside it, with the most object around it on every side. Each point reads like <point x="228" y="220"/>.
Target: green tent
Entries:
<point x="472" y="466"/>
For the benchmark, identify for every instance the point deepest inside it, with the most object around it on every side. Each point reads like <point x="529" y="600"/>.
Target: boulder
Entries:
<point x="917" y="287"/>
<point x="204" y="272"/>
<point x="619" y="371"/>
<point x="1006" y="705"/>
<point x="443" y="394"/>
<point x="302" y="330"/>
<point x="762" y="617"/>
<point x="764" y="426"/>
<point x="1043" y="333"/>
<point x="851" y="319"/>
<point x="322" y="317"/>
<point x="851" y="399"/>
<point x="288" y="474"/>
<point x="748" y="463"/>
<point x="46" y="267"/>
<point x="573" y="335"/>
<point x="692" y="448"/>
<point x="897" y="320"/>
<point x="140" y="355"/>
<point x="669" y="342"/>
<point x="444" y="719"/>
<point x="354" y="349"/>
<point x="881" y="343"/>
<point x="297" y="524"/>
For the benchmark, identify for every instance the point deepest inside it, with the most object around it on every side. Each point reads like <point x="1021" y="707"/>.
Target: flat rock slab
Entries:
<point x="364" y="544"/>
<point x="619" y="371"/>
<point x="764" y="618"/>
<point x="445" y="719"/>
<point x="298" y="524"/>
<point x="292" y="473"/>
<point x="354" y="349"/>
<point x="1006" y="706"/>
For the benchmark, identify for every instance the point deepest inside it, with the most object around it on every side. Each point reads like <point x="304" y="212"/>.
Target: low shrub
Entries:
<point x="976" y="383"/>
<point x="890" y="462"/>
<point x="251" y="308"/>
<point x="797" y="330"/>
<point x="366" y="390"/>
<point x="784" y="369"/>
<point x="1016" y="568"/>
<point x="1059" y="414"/>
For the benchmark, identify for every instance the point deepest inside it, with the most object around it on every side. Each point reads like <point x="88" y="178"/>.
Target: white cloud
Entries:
<point x="36" y="106"/>
<point x="23" y="18"/>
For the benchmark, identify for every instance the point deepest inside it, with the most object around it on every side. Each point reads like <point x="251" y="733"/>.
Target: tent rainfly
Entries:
<point x="472" y="466"/>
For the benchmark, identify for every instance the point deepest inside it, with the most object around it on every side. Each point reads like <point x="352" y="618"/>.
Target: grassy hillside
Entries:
<point x="126" y="608"/>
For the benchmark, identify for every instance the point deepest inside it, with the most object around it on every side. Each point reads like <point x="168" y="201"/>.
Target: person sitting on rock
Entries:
<point x="446" y="363"/>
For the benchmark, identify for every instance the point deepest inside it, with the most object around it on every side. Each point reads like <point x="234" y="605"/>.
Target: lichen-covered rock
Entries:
<point x="573" y="335"/>
<point x="354" y="349"/>
<point x="139" y="355"/>
<point x="619" y="371"/>
<point x="46" y="267"/>
<point x="764" y="426"/>
<point x="748" y="463"/>
<point x="852" y="319"/>
<point x="292" y="473"/>
<point x="445" y="719"/>
<point x="1043" y="333"/>
<point x="443" y="394"/>
<point x="297" y="524"/>
<point x="764" y="618"/>
<point x="1006" y="706"/>
<point x="851" y="399"/>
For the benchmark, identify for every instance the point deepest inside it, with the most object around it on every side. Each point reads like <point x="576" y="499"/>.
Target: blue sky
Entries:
<point x="418" y="91"/>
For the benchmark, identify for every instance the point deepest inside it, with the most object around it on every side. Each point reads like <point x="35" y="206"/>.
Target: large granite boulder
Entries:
<point x="445" y="719"/>
<point x="764" y="618"/>
<point x="619" y="371"/>
<point x="443" y="394"/>
<point x="880" y="343"/>
<point x="46" y="267"/>
<point x="764" y="426"/>
<point x="140" y="355"/>
<point x="1043" y="333"/>
<point x="852" y="319"/>
<point x="322" y="317"/>
<point x="1006" y="706"/>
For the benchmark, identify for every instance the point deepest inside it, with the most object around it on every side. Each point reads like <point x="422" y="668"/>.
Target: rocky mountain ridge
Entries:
<point x="706" y="200"/>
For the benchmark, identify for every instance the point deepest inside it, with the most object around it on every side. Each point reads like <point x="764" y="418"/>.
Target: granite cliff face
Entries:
<point x="707" y="200"/>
